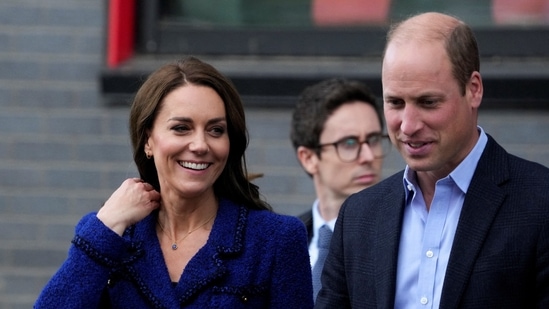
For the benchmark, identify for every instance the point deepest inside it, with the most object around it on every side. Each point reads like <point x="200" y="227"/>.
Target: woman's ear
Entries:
<point x="147" y="148"/>
<point x="308" y="159"/>
<point x="148" y="151"/>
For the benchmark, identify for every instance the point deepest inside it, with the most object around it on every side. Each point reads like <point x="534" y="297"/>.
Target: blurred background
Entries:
<point x="69" y="68"/>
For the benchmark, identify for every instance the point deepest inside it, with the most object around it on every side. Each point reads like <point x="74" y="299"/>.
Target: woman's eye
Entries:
<point x="218" y="131"/>
<point x="180" y="128"/>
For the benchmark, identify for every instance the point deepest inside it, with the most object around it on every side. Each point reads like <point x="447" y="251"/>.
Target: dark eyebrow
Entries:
<point x="180" y="119"/>
<point x="347" y="137"/>
<point x="375" y="133"/>
<point x="187" y="119"/>
<point x="429" y="96"/>
<point x="391" y="97"/>
<point x="423" y="96"/>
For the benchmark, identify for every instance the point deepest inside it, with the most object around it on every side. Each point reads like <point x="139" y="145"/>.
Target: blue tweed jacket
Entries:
<point x="252" y="259"/>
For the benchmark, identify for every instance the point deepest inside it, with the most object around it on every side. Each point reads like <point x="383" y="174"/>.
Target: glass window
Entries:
<point x="353" y="28"/>
<point x="329" y="13"/>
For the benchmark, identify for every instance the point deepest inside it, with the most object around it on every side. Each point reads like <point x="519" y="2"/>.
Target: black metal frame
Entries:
<point x="514" y="59"/>
<point x="157" y="36"/>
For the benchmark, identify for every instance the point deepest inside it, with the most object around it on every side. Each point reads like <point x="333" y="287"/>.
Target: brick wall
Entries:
<point x="60" y="152"/>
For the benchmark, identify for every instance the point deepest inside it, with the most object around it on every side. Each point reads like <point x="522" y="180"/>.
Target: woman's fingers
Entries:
<point x="130" y="203"/>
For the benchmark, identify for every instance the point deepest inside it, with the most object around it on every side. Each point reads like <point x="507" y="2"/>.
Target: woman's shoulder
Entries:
<point x="261" y="222"/>
<point x="269" y="215"/>
<point x="274" y="221"/>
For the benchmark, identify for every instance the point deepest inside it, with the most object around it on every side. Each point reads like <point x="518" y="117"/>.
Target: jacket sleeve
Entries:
<point x="80" y="280"/>
<point x="291" y="286"/>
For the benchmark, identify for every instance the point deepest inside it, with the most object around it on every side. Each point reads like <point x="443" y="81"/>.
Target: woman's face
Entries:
<point x="189" y="141"/>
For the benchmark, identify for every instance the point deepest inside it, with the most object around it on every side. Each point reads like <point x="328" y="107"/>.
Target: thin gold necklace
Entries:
<point x="174" y="241"/>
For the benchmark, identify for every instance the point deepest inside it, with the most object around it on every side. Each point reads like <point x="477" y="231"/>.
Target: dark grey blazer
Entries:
<point x="500" y="254"/>
<point x="307" y="219"/>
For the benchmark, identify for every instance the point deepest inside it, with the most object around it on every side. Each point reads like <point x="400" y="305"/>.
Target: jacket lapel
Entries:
<point x="387" y="241"/>
<point x="307" y="219"/>
<point x="151" y="274"/>
<point x="480" y="207"/>
<point x="225" y="242"/>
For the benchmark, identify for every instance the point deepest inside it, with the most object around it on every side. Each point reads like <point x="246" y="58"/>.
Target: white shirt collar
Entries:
<point x="318" y="221"/>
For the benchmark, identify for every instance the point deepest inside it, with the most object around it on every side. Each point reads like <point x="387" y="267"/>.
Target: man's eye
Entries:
<point x="348" y="143"/>
<point x="429" y="102"/>
<point x="374" y="140"/>
<point x="394" y="102"/>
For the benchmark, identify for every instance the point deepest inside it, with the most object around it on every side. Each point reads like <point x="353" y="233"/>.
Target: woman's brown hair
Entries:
<point x="232" y="183"/>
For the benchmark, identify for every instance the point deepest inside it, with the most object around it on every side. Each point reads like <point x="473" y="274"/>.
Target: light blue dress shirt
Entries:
<point x="427" y="236"/>
<point x="318" y="221"/>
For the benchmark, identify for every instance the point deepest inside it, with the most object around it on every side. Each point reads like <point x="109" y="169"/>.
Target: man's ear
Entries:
<point x="475" y="90"/>
<point x="308" y="159"/>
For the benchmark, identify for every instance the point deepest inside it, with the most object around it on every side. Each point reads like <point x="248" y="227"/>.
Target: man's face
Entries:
<point x="339" y="179"/>
<point x="428" y="119"/>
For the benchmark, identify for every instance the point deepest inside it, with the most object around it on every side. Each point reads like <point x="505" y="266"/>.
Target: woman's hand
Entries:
<point x="129" y="204"/>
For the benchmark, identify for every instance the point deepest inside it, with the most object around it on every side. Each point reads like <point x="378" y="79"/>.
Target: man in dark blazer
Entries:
<point x="465" y="225"/>
<point x="331" y="123"/>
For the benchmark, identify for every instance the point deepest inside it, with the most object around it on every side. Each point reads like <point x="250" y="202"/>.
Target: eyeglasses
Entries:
<point x="348" y="148"/>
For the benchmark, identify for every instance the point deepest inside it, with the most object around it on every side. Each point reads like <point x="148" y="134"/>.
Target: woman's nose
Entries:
<point x="199" y="144"/>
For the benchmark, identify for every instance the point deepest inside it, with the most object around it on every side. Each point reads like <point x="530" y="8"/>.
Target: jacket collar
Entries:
<point x="150" y="273"/>
<point x="480" y="207"/>
<point x="387" y="240"/>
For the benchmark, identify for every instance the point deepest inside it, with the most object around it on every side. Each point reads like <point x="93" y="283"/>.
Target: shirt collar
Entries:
<point x="461" y="175"/>
<point x="318" y="221"/>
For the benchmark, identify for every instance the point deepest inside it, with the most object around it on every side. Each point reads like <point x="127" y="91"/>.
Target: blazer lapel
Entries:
<point x="307" y="219"/>
<point x="480" y="207"/>
<point x="387" y="242"/>
<point x="150" y="273"/>
<point x="225" y="242"/>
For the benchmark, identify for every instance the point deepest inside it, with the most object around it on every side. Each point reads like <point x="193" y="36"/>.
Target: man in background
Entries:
<point x="337" y="133"/>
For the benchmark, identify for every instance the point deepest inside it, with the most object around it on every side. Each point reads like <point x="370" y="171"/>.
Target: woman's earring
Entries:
<point x="148" y="155"/>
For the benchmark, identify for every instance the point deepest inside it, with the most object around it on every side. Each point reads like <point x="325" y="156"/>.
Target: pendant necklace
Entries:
<point x="175" y="241"/>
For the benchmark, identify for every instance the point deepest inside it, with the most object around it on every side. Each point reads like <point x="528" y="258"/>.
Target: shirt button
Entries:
<point x="423" y="301"/>
<point x="410" y="187"/>
<point x="429" y="254"/>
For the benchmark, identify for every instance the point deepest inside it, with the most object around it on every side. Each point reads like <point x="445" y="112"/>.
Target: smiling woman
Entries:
<point x="192" y="230"/>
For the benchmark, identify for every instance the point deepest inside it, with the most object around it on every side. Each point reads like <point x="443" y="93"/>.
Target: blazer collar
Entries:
<point x="150" y="273"/>
<point x="307" y="219"/>
<point x="482" y="202"/>
<point x="387" y="239"/>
